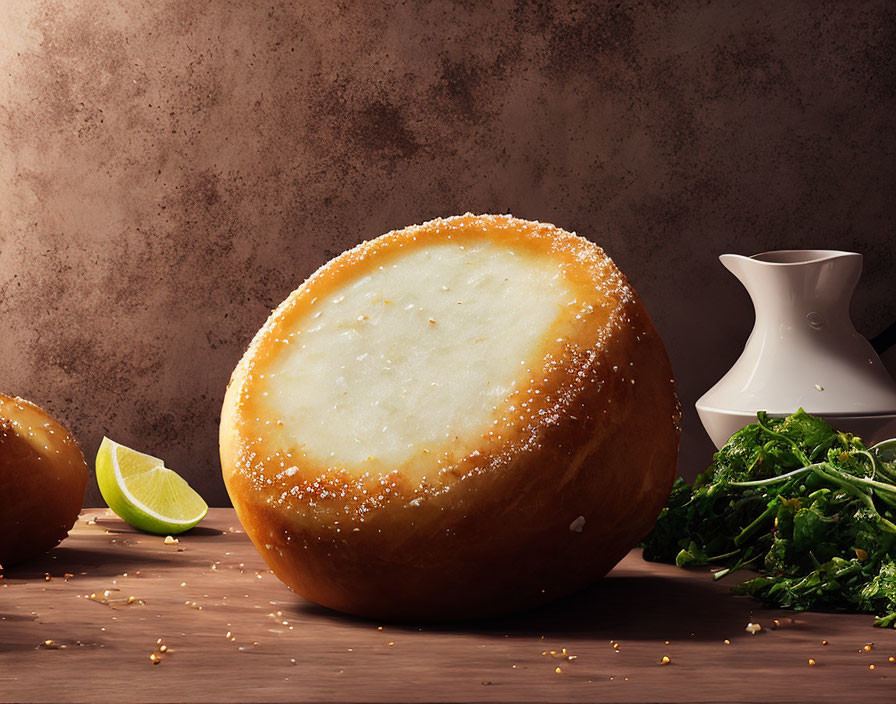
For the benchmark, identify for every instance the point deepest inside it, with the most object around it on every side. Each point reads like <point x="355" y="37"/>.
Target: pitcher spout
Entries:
<point x="737" y="264"/>
<point x="794" y="279"/>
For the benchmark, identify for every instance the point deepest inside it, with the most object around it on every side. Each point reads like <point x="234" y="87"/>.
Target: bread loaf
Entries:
<point x="455" y="420"/>
<point x="43" y="476"/>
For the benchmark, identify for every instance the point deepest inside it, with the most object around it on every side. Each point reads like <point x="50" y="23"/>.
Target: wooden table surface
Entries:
<point x="77" y="638"/>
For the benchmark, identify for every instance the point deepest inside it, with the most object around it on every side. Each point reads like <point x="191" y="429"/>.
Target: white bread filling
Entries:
<point x="415" y="357"/>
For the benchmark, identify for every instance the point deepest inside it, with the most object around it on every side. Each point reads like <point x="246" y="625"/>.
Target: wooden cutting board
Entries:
<point x="234" y="633"/>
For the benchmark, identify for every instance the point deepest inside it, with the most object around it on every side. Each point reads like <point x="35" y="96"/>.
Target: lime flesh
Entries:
<point x="145" y="493"/>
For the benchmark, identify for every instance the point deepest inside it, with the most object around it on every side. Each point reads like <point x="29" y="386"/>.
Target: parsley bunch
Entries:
<point x="811" y="509"/>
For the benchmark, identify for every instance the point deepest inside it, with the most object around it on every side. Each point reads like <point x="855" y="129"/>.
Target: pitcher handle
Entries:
<point x="884" y="340"/>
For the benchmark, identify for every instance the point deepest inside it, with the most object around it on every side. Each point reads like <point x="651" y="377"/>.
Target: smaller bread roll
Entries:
<point x="454" y="420"/>
<point x="43" y="476"/>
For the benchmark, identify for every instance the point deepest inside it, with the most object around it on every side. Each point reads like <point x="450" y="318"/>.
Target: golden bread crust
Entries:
<point x="497" y="529"/>
<point x="43" y="476"/>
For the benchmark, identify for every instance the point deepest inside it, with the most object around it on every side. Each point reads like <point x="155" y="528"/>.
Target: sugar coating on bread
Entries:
<point x="443" y="381"/>
<point x="433" y="348"/>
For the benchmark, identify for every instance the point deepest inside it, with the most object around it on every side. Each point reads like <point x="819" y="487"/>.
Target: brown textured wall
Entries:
<point x="169" y="171"/>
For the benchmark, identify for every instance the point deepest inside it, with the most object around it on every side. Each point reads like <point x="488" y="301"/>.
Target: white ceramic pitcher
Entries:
<point x="804" y="351"/>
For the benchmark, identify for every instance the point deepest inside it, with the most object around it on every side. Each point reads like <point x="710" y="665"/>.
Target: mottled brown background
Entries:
<point x="171" y="170"/>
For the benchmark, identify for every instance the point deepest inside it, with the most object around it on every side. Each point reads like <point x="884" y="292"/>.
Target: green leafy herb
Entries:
<point x="809" y="508"/>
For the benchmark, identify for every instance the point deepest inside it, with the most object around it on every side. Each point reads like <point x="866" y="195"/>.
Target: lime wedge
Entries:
<point x="143" y="492"/>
